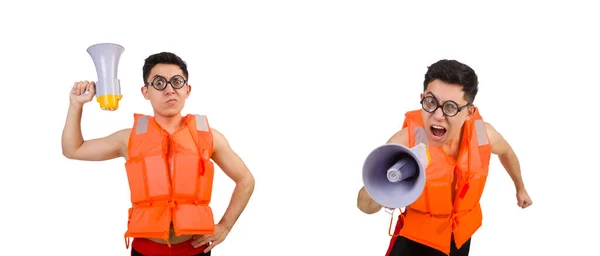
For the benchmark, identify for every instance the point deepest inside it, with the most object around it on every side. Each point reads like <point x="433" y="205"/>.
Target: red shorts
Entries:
<point x="150" y="248"/>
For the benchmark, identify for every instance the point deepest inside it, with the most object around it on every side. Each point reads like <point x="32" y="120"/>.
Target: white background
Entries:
<point x="303" y="90"/>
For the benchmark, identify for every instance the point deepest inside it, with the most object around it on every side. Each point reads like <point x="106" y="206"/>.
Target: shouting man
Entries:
<point x="447" y="213"/>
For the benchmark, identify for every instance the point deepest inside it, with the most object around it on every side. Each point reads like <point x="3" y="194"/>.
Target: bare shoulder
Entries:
<point x="222" y="151"/>
<point x="219" y="140"/>
<point x="227" y="159"/>
<point x="120" y="140"/>
<point x="122" y="137"/>
<point x="499" y="144"/>
<point x="123" y="134"/>
<point x="400" y="137"/>
<point x="492" y="133"/>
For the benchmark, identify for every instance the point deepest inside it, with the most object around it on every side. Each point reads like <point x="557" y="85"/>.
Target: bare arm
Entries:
<point x="506" y="155"/>
<point x="74" y="147"/>
<point x="364" y="202"/>
<point x="233" y="166"/>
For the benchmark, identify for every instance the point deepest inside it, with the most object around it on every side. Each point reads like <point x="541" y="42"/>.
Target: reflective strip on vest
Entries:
<point x="201" y="123"/>
<point x="142" y="125"/>
<point x="482" y="139"/>
<point x="481" y="132"/>
<point x="421" y="136"/>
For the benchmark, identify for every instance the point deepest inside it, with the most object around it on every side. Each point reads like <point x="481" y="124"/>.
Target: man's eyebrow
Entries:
<point x="158" y="75"/>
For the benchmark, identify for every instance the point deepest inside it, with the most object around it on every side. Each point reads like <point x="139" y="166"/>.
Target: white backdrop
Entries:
<point x="303" y="90"/>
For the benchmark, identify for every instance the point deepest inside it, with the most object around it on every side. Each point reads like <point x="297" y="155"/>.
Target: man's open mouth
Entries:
<point x="437" y="131"/>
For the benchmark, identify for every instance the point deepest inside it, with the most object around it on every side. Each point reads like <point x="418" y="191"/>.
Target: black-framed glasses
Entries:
<point x="449" y="108"/>
<point x="160" y="83"/>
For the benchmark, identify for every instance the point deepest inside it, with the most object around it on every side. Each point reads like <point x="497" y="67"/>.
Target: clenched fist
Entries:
<point x="82" y="92"/>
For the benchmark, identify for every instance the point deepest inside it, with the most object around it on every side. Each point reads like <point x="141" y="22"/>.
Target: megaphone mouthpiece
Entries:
<point x="401" y="170"/>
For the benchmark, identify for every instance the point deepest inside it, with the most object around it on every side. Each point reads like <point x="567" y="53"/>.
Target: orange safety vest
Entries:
<point x="435" y="216"/>
<point x="170" y="179"/>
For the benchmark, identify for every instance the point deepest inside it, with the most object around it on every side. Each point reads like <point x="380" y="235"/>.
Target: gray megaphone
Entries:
<point x="394" y="175"/>
<point x="106" y="58"/>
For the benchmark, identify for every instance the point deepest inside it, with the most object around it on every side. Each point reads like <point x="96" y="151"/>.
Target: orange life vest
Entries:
<point x="435" y="216"/>
<point x="170" y="179"/>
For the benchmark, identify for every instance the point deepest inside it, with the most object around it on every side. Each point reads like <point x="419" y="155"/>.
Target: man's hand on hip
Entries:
<point x="211" y="240"/>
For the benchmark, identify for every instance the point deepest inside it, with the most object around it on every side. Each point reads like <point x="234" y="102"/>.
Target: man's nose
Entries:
<point x="169" y="89"/>
<point x="439" y="114"/>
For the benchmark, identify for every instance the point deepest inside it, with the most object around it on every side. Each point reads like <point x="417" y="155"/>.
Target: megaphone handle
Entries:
<point x="389" y="210"/>
<point x="422" y="153"/>
<point x="400" y="218"/>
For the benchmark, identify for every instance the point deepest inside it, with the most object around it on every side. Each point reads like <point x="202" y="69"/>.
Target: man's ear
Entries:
<point x="144" y="90"/>
<point x="422" y="96"/>
<point x="471" y="111"/>
<point x="189" y="90"/>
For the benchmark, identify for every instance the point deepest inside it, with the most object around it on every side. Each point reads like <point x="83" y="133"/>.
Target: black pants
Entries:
<point x="136" y="253"/>
<point x="406" y="247"/>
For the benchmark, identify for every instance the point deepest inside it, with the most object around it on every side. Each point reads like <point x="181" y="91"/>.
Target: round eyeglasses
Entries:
<point x="160" y="83"/>
<point x="449" y="108"/>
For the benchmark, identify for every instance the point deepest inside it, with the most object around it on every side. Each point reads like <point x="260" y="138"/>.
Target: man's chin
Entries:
<point x="168" y="112"/>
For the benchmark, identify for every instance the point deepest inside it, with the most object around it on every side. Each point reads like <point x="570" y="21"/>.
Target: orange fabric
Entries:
<point x="170" y="179"/>
<point x="435" y="216"/>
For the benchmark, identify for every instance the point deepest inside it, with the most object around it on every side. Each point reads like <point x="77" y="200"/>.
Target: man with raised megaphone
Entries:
<point x="443" y="212"/>
<point x="169" y="164"/>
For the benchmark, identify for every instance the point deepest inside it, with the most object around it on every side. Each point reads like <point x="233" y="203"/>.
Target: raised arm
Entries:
<point x="73" y="144"/>
<point x="364" y="201"/>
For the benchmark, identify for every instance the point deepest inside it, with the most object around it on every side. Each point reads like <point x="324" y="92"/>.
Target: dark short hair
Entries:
<point x="163" y="58"/>
<point x="454" y="72"/>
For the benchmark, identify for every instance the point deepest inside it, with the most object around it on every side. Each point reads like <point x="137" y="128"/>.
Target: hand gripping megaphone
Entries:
<point x="106" y="58"/>
<point x="394" y="175"/>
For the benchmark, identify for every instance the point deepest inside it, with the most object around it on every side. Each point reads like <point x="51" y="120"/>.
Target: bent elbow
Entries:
<point x="67" y="154"/>
<point x="70" y="154"/>
<point x="365" y="203"/>
<point x="366" y="209"/>
<point x="249" y="182"/>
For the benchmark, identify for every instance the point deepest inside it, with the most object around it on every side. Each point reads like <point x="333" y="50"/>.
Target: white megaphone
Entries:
<point x="108" y="87"/>
<point x="394" y="175"/>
